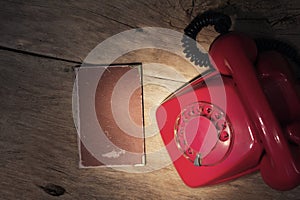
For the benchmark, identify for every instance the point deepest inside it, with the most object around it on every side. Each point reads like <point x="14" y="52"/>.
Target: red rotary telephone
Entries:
<point x="241" y="116"/>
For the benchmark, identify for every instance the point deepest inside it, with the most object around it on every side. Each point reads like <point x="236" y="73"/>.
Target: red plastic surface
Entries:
<point x="261" y="128"/>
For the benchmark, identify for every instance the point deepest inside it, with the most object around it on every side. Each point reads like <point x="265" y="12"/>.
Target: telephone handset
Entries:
<point x="241" y="116"/>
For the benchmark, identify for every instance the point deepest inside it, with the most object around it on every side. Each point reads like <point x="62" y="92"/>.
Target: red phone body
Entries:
<point x="242" y="117"/>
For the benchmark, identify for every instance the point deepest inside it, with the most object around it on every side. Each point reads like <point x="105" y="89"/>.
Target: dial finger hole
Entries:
<point x="224" y="136"/>
<point x="207" y="110"/>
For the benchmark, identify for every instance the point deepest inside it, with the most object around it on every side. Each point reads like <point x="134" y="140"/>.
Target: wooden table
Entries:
<point x="41" y="43"/>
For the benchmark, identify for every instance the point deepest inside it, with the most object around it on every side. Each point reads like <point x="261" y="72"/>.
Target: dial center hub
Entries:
<point x="201" y="135"/>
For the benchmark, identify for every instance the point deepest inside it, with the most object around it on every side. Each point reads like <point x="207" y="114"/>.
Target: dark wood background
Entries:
<point x="38" y="141"/>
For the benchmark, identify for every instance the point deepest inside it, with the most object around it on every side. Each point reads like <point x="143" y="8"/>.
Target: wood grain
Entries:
<point x="38" y="141"/>
<point x="39" y="146"/>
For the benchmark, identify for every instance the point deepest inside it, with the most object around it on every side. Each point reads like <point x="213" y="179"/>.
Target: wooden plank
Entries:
<point x="38" y="144"/>
<point x="71" y="29"/>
